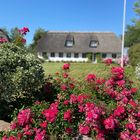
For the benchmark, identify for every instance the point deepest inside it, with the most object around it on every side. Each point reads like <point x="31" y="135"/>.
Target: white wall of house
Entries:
<point x="72" y="58"/>
<point x="64" y="58"/>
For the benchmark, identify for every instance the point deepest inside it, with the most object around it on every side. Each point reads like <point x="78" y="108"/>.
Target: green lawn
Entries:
<point x="80" y="70"/>
<point x="77" y="70"/>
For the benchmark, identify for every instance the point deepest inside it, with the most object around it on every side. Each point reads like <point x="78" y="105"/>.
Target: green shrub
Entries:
<point x="99" y="57"/>
<point x="137" y="71"/>
<point x="21" y="74"/>
<point x="134" y="55"/>
<point x="89" y="56"/>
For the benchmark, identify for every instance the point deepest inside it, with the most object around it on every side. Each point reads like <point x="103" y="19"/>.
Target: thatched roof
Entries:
<point x="3" y="35"/>
<point x="108" y="42"/>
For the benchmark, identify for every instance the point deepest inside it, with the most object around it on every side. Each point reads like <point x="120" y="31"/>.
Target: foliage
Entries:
<point x="14" y="33"/>
<point x="132" y="35"/>
<point x="89" y="56"/>
<point x="99" y="57"/>
<point x="21" y="75"/>
<point x="137" y="71"/>
<point x="16" y="36"/>
<point x="100" y="108"/>
<point x="5" y="31"/>
<point x="134" y="55"/>
<point x="37" y="35"/>
<point x="137" y="11"/>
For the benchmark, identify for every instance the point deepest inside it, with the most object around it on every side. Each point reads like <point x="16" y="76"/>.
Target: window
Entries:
<point x="104" y="55"/>
<point x="93" y="44"/>
<point x="83" y="55"/>
<point x="69" y="40"/>
<point x="52" y="54"/>
<point x="69" y="43"/>
<point x="68" y="55"/>
<point x="114" y="55"/>
<point x="76" y="55"/>
<point x="61" y="54"/>
<point x="44" y="54"/>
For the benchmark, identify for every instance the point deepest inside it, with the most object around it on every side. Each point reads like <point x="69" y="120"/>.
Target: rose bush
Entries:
<point x="125" y="60"/>
<point x="104" y="109"/>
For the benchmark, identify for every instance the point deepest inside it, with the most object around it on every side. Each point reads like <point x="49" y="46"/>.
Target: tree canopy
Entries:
<point x="37" y="35"/>
<point x="132" y="35"/>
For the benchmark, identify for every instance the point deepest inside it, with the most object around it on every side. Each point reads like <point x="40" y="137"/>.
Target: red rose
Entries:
<point x="24" y="117"/>
<point x="66" y="66"/>
<point x="67" y="115"/>
<point x="68" y="130"/>
<point x="43" y="124"/>
<point x="90" y="77"/>
<point x="131" y="126"/>
<point x="63" y="87"/>
<point x="84" y="130"/>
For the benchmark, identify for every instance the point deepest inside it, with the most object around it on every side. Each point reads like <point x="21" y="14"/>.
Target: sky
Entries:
<point x="65" y="15"/>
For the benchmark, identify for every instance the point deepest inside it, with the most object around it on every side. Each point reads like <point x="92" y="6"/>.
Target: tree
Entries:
<point x="37" y="35"/>
<point x="15" y="36"/>
<point x="4" y="33"/>
<point x="137" y="7"/>
<point x="134" y="54"/>
<point x="132" y="35"/>
<point x="14" y="33"/>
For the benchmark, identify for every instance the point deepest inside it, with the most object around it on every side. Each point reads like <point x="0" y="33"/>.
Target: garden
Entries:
<point x="99" y="101"/>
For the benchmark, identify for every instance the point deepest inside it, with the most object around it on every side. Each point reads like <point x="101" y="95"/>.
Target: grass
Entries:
<point x="77" y="70"/>
<point x="80" y="70"/>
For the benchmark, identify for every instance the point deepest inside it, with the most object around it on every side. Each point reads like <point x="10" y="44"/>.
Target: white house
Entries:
<point x="74" y="46"/>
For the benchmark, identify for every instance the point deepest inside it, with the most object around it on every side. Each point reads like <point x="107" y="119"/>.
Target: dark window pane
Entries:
<point x="83" y="55"/>
<point x="103" y="55"/>
<point x="76" y="55"/>
<point x="52" y="54"/>
<point x="114" y="55"/>
<point x="68" y="55"/>
<point x="44" y="54"/>
<point x="60" y="54"/>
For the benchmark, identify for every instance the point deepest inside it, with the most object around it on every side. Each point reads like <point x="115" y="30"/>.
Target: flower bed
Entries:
<point x="104" y="109"/>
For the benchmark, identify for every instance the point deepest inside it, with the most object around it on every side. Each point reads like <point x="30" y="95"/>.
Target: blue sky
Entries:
<point x="67" y="15"/>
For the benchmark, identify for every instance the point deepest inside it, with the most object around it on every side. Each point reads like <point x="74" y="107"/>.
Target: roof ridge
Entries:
<point x="51" y="31"/>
